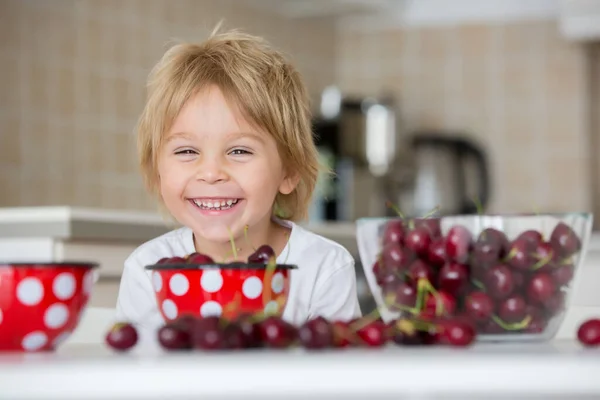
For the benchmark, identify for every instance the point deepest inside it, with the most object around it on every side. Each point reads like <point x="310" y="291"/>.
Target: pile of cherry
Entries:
<point x="500" y="284"/>
<point x="249" y="332"/>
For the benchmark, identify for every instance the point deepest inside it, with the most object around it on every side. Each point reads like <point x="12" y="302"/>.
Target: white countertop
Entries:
<point x="95" y="372"/>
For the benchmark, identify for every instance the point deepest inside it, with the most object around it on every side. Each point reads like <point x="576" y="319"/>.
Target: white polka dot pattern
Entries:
<point x="88" y="282"/>
<point x="211" y="280"/>
<point x="252" y="287"/>
<point x="179" y="284"/>
<point x="63" y="286"/>
<point x="169" y="309"/>
<point x="30" y="291"/>
<point x="156" y="281"/>
<point x="56" y="316"/>
<point x="34" y="341"/>
<point x="211" y="308"/>
<point x="277" y="283"/>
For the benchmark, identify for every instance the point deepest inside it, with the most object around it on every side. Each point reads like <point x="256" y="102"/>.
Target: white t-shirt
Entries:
<point x="323" y="285"/>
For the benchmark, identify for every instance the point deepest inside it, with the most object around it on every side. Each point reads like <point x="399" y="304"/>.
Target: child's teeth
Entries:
<point x="229" y="202"/>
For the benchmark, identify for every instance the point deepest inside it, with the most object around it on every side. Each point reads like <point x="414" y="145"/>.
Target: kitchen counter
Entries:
<point x="560" y="369"/>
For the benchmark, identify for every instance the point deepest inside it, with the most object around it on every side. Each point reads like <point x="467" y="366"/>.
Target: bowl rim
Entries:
<point x="584" y="214"/>
<point x="48" y="264"/>
<point x="221" y="266"/>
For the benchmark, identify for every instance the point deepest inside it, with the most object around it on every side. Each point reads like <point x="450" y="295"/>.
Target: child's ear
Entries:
<point x="289" y="183"/>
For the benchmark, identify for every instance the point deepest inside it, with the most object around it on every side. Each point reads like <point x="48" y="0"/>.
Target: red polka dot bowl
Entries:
<point x="41" y="303"/>
<point x="225" y="290"/>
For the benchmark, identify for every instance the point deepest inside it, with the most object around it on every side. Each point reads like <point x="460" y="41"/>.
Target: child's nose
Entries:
<point x="210" y="170"/>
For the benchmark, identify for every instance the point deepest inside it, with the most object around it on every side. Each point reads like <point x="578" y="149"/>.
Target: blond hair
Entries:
<point x="265" y="87"/>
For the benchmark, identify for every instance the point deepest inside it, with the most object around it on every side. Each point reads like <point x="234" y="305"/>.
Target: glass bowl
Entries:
<point x="510" y="275"/>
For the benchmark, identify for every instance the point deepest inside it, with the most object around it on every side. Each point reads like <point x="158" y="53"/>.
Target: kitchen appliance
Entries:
<point x="359" y="138"/>
<point x="449" y="172"/>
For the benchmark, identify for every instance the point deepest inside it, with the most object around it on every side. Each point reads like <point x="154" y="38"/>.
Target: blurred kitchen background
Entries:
<point x="425" y="103"/>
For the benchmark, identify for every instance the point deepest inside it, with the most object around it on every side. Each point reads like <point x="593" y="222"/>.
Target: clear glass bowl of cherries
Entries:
<point x="509" y="276"/>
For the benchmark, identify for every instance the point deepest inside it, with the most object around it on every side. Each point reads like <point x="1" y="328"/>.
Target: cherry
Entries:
<point x="418" y="241"/>
<point x="197" y="258"/>
<point x="564" y="240"/>
<point x="556" y="303"/>
<point x="544" y="256"/>
<point x="250" y="331"/>
<point x="432" y="225"/>
<point x="520" y="254"/>
<point x="453" y="278"/>
<point x="589" y="332"/>
<point x="519" y="279"/>
<point x="208" y="335"/>
<point x="563" y="275"/>
<point x="122" y="336"/>
<point x="490" y="247"/>
<point x="445" y="301"/>
<point x="395" y="258"/>
<point x="499" y="282"/>
<point x="458" y="333"/>
<point x="436" y="254"/>
<point x="490" y="327"/>
<point x="402" y="295"/>
<point x="479" y="306"/>
<point x="419" y="270"/>
<point x="531" y="235"/>
<point x="277" y="333"/>
<point x="458" y="243"/>
<point x="373" y="334"/>
<point x="176" y="260"/>
<point x="164" y="260"/>
<point x="234" y="337"/>
<point x="379" y="272"/>
<point x="513" y="309"/>
<point x="262" y="255"/>
<point x="316" y="333"/>
<point x="342" y="334"/>
<point x="394" y="232"/>
<point x="536" y="325"/>
<point x="541" y="288"/>
<point x="186" y="322"/>
<point x="173" y="336"/>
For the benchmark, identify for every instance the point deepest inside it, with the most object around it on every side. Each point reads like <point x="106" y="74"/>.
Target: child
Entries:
<point x="224" y="142"/>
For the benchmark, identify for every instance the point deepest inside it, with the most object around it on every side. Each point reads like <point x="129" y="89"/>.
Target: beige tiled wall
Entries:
<point x="519" y="89"/>
<point x="72" y="85"/>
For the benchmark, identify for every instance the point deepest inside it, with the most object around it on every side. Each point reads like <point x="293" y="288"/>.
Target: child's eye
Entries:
<point x="185" y="152"/>
<point x="240" y="152"/>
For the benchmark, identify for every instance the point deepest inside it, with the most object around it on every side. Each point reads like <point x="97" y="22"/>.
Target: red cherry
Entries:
<point x="564" y="240"/>
<point x="541" y="288"/>
<point x="513" y="309"/>
<point x="432" y="225"/>
<point x="436" y="255"/>
<point x="479" y="306"/>
<point x="402" y="295"/>
<point x="418" y="241"/>
<point x="499" y="282"/>
<point x="262" y="255"/>
<point x="373" y="334"/>
<point x="394" y="232"/>
<point x="197" y="258"/>
<point x="531" y="236"/>
<point x="453" y="278"/>
<point x="442" y="300"/>
<point x="122" y="336"/>
<point x="588" y="333"/>
<point x="458" y="333"/>
<point x="458" y="243"/>
<point x="563" y="275"/>
<point x="419" y="270"/>
<point x="395" y="258"/>
<point x="521" y="254"/>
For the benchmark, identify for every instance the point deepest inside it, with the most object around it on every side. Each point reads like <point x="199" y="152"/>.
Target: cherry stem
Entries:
<point x="512" y="327"/>
<point x="542" y="262"/>
<point x="478" y="283"/>
<point x="269" y="271"/>
<point x="432" y="212"/>
<point x="246" y="238"/>
<point x="478" y="205"/>
<point x="232" y="241"/>
<point x="366" y="320"/>
<point x="391" y="205"/>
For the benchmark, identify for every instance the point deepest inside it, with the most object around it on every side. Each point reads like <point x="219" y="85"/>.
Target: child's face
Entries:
<point x="217" y="172"/>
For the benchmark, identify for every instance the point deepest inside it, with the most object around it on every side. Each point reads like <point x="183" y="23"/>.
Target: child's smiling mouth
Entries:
<point x="214" y="204"/>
